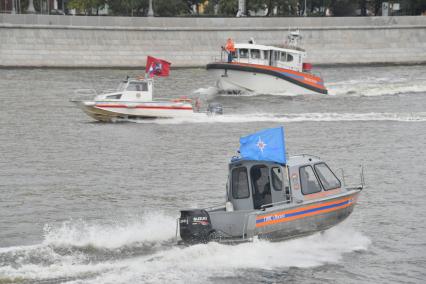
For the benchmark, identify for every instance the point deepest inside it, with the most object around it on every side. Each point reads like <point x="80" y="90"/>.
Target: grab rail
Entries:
<point x="264" y="206"/>
<point x="177" y="229"/>
<point x="306" y="155"/>
<point x="214" y="207"/>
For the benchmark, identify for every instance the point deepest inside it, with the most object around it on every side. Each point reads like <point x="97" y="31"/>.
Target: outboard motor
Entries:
<point x="214" y="108"/>
<point x="195" y="226"/>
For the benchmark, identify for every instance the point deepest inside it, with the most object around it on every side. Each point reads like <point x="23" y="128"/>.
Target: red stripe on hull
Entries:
<point x="144" y="107"/>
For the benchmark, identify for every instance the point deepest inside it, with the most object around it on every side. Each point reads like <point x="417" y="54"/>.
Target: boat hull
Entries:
<point x="305" y="220"/>
<point x="264" y="79"/>
<point x="276" y="223"/>
<point x="110" y="112"/>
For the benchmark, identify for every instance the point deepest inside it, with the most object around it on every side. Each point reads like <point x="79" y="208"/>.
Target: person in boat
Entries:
<point x="230" y="49"/>
<point x="261" y="187"/>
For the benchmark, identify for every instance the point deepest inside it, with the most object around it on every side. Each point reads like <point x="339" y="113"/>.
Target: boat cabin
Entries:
<point x="262" y="185"/>
<point x="269" y="55"/>
<point x="130" y="90"/>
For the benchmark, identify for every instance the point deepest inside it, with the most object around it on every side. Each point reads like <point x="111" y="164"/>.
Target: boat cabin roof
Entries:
<point x="295" y="160"/>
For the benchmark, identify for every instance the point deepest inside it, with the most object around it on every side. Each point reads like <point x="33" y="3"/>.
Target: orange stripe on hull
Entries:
<point x="281" y="219"/>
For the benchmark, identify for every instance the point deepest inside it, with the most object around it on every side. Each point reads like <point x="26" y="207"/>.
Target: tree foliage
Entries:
<point x="228" y="7"/>
<point x="169" y="8"/>
<point x="128" y="7"/>
<point x="86" y="5"/>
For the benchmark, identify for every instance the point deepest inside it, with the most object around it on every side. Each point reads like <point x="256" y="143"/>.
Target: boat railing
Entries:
<point x="177" y="230"/>
<point x="217" y="58"/>
<point x="361" y="184"/>
<point x="291" y="46"/>
<point x="215" y="207"/>
<point x="342" y="172"/>
<point x="306" y="155"/>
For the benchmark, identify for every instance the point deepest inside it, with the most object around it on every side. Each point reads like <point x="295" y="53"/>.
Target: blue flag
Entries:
<point x="265" y="145"/>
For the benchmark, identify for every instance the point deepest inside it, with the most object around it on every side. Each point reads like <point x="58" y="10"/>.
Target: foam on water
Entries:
<point x="170" y="263"/>
<point x="207" y="93"/>
<point x="152" y="227"/>
<point x="376" y="87"/>
<point x="293" y="117"/>
<point x="77" y="247"/>
<point x="203" y="262"/>
<point x="367" y="86"/>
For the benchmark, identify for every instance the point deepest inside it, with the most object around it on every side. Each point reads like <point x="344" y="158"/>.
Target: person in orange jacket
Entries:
<point x="230" y="48"/>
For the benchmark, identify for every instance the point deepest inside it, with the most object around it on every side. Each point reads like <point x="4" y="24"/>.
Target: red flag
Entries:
<point x="157" y="67"/>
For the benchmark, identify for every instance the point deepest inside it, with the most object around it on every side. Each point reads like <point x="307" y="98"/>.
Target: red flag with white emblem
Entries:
<point x="157" y="67"/>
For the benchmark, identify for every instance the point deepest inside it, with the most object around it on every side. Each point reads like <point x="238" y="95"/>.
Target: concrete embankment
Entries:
<point x="74" y="41"/>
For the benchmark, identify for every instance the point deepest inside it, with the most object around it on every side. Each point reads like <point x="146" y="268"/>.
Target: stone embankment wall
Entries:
<point x="78" y="41"/>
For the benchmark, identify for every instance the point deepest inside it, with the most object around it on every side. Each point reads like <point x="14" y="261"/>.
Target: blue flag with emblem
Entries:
<point x="265" y="145"/>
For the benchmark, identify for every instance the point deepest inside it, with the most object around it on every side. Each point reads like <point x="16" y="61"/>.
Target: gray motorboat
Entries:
<point x="271" y="197"/>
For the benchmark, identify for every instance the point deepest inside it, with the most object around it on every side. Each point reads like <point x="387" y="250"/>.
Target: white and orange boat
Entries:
<point x="267" y="69"/>
<point x="133" y="99"/>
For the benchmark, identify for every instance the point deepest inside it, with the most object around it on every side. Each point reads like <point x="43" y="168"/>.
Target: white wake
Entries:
<point x="199" y="263"/>
<point x="293" y="117"/>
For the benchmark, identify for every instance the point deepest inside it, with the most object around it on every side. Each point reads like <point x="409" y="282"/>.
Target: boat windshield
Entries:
<point x="138" y="86"/>
<point x="327" y="177"/>
<point x="121" y="86"/>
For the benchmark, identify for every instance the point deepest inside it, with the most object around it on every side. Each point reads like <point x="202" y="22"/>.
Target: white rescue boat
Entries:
<point x="133" y="99"/>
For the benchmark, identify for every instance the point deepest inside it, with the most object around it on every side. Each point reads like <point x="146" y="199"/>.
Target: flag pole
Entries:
<point x="282" y="136"/>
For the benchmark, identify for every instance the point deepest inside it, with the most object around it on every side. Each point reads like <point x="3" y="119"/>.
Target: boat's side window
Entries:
<point x="240" y="188"/>
<point x="276" y="55"/>
<point x="327" y="177"/>
<point x="114" y="97"/>
<point x="255" y="53"/>
<point x="266" y="54"/>
<point x="243" y="53"/>
<point x="144" y="87"/>
<point x="277" y="178"/>
<point x="308" y="180"/>
<point x="289" y="58"/>
<point x="283" y="56"/>
<point x="138" y="86"/>
<point x="261" y="186"/>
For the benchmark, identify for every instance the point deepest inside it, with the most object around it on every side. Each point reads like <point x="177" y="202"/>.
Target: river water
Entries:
<point x="88" y="202"/>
